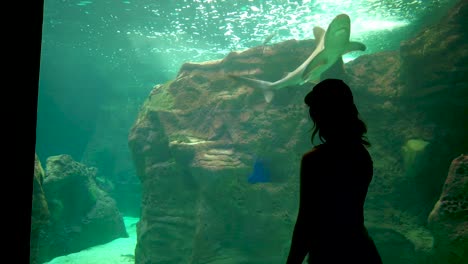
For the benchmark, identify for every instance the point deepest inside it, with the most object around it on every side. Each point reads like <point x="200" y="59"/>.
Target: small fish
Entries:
<point x="269" y="38"/>
<point x="261" y="172"/>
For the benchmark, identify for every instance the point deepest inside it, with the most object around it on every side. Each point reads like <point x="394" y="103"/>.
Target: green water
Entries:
<point x="105" y="51"/>
<point x="100" y="59"/>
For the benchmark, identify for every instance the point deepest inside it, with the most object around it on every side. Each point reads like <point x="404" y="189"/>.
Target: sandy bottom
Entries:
<point x="118" y="251"/>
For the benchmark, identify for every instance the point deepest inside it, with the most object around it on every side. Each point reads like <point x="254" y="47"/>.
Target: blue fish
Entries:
<point x="261" y="172"/>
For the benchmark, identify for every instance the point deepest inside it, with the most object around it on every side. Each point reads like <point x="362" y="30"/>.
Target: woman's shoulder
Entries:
<point x="326" y="152"/>
<point x="315" y="152"/>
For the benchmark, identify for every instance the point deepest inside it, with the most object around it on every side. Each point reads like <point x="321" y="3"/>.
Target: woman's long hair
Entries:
<point x="335" y="116"/>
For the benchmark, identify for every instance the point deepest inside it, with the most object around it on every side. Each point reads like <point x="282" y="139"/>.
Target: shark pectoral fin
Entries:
<point x="268" y="94"/>
<point x="318" y="33"/>
<point x="354" y="46"/>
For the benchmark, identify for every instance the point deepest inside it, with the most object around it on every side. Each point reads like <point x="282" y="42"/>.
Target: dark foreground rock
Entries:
<point x="81" y="215"/>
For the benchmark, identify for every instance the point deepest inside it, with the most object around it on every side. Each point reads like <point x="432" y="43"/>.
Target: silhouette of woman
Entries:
<point x="334" y="179"/>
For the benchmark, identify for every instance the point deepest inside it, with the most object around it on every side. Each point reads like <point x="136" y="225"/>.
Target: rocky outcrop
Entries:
<point x="376" y="75"/>
<point x="40" y="212"/>
<point x="196" y="140"/>
<point x="389" y="241"/>
<point x="434" y="62"/>
<point x="448" y="220"/>
<point x="198" y="136"/>
<point x="434" y="74"/>
<point x="81" y="214"/>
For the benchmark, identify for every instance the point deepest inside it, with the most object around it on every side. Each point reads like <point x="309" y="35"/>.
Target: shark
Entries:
<point x="331" y="45"/>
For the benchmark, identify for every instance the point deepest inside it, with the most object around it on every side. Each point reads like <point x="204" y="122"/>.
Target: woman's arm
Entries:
<point x="299" y="243"/>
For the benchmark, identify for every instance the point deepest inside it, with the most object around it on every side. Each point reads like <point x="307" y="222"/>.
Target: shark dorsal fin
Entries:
<point x="318" y="33"/>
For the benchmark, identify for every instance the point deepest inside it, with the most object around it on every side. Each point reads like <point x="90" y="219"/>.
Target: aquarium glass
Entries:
<point x="146" y="151"/>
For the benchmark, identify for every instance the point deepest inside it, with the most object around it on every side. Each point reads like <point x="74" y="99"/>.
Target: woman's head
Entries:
<point x="335" y="116"/>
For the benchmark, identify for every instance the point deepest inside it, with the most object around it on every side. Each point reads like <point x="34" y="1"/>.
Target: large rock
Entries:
<point x="81" y="214"/>
<point x="448" y="220"/>
<point x="434" y="77"/>
<point x="434" y="62"/>
<point x="376" y="75"/>
<point x="39" y="214"/>
<point x="197" y="137"/>
<point x="412" y="95"/>
<point x="393" y="246"/>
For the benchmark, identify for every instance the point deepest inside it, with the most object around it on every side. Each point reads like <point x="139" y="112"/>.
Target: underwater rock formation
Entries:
<point x="434" y="62"/>
<point x="194" y="145"/>
<point x="448" y="220"/>
<point x="81" y="214"/>
<point x="434" y="78"/>
<point x="393" y="246"/>
<point x="376" y="75"/>
<point x="40" y="212"/>
<point x="196" y="138"/>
